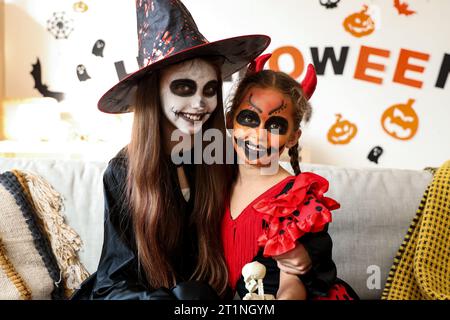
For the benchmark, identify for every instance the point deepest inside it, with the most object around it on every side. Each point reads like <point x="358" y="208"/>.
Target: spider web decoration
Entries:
<point x="59" y="25"/>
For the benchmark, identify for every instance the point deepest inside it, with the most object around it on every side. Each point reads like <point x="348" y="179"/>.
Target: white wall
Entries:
<point x="299" y="24"/>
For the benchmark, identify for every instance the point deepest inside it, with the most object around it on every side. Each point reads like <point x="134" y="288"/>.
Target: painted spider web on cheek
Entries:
<point x="59" y="25"/>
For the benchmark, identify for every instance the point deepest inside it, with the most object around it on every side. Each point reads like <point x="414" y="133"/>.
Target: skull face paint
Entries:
<point x="188" y="92"/>
<point x="262" y="125"/>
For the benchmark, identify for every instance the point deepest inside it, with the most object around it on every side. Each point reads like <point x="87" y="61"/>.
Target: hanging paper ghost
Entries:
<point x="375" y="153"/>
<point x="97" y="50"/>
<point x="82" y="73"/>
<point x="329" y="4"/>
<point x="59" y="25"/>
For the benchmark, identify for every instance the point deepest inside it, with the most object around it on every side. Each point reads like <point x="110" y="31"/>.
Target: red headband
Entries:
<point x="308" y="84"/>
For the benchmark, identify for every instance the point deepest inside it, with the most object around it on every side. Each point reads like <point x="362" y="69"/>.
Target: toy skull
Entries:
<point x="254" y="273"/>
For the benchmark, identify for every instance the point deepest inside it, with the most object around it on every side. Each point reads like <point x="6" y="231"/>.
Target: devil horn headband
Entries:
<point x="258" y="64"/>
<point x="308" y="84"/>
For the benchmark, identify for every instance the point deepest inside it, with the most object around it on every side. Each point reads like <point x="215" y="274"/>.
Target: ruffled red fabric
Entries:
<point x="302" y="209"/>
<point x="339" y="291"/>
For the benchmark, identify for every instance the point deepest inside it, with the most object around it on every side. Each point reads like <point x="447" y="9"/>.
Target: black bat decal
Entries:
<point x="43" y="88"/>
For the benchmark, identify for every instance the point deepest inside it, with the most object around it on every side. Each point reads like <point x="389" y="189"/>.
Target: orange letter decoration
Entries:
<point x="364" y="64"/>
<point x="297" y="57"/>
<point x="403" y="65"/>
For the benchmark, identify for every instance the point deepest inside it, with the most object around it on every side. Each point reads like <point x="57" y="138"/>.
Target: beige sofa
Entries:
<point x="377" y="206"/>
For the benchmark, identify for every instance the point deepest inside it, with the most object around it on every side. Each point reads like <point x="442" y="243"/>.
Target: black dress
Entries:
<point x="119" y="275"/>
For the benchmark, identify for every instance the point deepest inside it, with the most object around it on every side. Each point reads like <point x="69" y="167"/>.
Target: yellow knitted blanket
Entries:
<point x="421" y="269"/>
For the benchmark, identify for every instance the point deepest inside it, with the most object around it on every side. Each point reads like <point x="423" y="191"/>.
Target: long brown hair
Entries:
<point x="158" y="224"/>
<point x="286" y="85"/>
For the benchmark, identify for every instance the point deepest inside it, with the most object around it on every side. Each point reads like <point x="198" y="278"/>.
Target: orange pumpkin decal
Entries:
<point x="80" y="6"/>
<point x="400" y="121"/>
<point x="359" y="24"/>
<point x="342" y="131"/>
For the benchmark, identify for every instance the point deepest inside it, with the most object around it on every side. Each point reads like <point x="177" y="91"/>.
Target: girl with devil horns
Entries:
<point x="162" y="220"/>
<point x="266" y="214"/>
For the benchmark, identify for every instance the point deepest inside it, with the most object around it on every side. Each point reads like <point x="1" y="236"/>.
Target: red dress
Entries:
<point x="273" y="222"/>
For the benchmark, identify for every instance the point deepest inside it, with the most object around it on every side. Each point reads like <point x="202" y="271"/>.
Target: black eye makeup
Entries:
<point x="183" y="87"/>
<point x="248" y="118"/>
<point x="210" y="89"/>
<point x="277" y="123"/>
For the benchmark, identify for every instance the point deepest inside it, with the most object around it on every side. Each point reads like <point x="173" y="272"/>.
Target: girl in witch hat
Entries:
<point x="162" y="220"/>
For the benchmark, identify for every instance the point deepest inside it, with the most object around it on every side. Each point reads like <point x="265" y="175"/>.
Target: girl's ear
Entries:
<point x="293" y="139"/>
<point x="228" y="120"/>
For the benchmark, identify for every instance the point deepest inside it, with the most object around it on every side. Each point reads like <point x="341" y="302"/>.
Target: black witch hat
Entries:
<point x="167" y="34"/>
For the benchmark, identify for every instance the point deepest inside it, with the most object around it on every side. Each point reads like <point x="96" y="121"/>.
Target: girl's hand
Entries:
<point x="297" y="261"/>
<point x="291" y="288"/>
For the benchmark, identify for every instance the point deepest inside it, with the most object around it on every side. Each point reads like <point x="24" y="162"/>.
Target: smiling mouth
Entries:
<point x="191" y="117"/>
<point x="253" y="151"/>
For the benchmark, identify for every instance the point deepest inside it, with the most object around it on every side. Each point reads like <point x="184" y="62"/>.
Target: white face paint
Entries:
<point x="188" y="92"/>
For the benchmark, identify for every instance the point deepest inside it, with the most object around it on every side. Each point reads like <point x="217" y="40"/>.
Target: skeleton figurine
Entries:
<point x="254" y="273"/>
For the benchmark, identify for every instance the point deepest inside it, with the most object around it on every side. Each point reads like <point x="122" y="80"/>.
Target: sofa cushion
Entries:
<point x="27" y="263"/>
<point x="80" y="185"/>
<point x="421" y="270"/>
<point x="48" y="207"/>
<point x="377" y="206"/>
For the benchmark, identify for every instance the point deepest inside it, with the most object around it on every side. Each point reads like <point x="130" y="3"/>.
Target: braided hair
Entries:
<point x="293" y="154"/>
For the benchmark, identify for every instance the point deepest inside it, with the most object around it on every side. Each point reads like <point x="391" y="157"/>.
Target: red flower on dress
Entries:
<point x="287" y="217"/>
